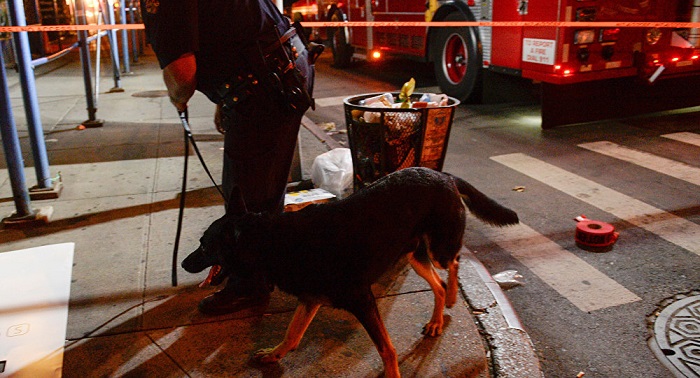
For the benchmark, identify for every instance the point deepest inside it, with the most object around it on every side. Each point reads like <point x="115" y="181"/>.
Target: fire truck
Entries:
<point x="578" y="62"/>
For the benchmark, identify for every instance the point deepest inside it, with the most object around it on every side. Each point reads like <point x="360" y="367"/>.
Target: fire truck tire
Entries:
<point x="338" y="40"/>
<point x="457" y="60"/>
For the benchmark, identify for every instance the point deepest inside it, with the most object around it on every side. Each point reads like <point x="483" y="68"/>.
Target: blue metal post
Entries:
<point x="85" y="63"/>
<point x="31" y="104"/>
<point x="10" y="143"/>
<point x="125" y="36"/>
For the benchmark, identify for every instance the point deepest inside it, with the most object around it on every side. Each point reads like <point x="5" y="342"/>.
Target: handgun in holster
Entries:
<point x="291" y="67"/>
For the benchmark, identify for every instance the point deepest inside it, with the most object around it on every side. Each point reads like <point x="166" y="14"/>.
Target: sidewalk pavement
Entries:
<point x="119" y="206"/>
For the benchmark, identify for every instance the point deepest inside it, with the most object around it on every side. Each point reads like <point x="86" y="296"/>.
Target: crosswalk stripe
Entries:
<point x="660" y="164"/>
<point x="685" y="137"/>
<point x="674" y="229"/>
<point x="580" y="283"/>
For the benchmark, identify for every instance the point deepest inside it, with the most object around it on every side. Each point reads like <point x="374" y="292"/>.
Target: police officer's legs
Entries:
<point x="258" y="153"/>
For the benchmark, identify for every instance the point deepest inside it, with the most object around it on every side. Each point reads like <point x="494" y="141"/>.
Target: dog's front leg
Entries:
<point x="425" y="269"/>
<point x="303" y="316"/>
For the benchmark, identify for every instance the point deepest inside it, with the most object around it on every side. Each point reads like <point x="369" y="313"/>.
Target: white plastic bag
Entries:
<point x="332" y="171"/>
<point x="508" y="279"/>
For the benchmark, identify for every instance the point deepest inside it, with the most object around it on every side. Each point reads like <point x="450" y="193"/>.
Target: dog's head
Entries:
<point x="218" y="245"/>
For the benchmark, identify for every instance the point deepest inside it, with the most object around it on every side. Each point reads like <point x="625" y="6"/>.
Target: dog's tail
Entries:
<point x="484" y="207"/>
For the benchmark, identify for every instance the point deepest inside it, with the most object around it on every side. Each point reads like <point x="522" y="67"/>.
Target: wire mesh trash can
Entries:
<point x="385" y="140"/>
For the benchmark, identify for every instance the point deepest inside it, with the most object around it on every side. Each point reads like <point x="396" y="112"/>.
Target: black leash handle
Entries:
<point x="188" y="135"/>
<point x="188" y="139"/>
<point x="183" y="191"/>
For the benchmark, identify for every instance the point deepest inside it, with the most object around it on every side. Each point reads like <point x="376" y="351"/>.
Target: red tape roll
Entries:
<point x="595" y="234"/>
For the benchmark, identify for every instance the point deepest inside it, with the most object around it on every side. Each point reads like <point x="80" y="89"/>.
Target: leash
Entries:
<point x="188" y="139"/>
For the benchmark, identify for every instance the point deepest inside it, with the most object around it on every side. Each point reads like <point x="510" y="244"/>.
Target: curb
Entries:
<point x="511" y="351"/>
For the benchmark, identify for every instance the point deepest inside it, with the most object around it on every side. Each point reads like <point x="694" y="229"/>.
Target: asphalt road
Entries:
<point x="590" y="312"/>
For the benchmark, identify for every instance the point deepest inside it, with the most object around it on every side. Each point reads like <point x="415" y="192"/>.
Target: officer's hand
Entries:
<point x="179" y="77"/>
<point x="181" y="107"/>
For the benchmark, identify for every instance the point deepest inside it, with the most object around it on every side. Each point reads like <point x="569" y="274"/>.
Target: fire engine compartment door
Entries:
<point x="360" y="10"/>
<point x="404" y="39"/>
<point x="506" y="42"/>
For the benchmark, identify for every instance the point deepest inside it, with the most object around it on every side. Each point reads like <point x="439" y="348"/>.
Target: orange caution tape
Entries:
<point x="612" y="24"/>
<point x="50" y="28"/>
<point x="389" y="24"/>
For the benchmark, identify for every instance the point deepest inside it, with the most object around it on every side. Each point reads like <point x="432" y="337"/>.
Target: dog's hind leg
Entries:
<point x="303" y="316"/>
<point x="425" y="269"/>
<point x="452" y="284"/>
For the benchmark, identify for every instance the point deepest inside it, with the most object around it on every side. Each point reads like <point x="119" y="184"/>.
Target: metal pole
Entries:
<point x="125" y="36"/>
<point x="80" y="19"/>
<point x="13" y="153"/>
<point x="31" y="104"/>
<point x="98" y="61"/>
<point x="109" y="13"/>
<point x="134" y="46"/>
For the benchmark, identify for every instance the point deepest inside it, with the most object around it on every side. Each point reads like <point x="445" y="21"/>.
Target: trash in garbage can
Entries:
<point x="385" y="139"/>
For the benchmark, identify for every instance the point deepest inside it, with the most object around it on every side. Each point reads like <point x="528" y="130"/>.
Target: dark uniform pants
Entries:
<point x="258" y="154"/>
<point x="259" y="143"/>
<point x="259" y="148"/>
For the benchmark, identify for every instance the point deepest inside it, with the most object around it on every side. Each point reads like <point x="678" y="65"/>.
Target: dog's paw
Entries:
<point x="267" y="355"/>
<point x="433" y="329"/>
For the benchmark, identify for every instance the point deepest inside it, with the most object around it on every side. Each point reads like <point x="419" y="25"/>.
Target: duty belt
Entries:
<point x="274" y="66"/>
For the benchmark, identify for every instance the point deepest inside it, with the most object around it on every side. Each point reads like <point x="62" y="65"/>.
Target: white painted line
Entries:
<point x="674" y="229"/>
<point x="685" y="137"/>
<point x="659" y="164"/>
<point x="330" y="101"/>
<point x="35" y="286"/>
<point x="576" y="280"/>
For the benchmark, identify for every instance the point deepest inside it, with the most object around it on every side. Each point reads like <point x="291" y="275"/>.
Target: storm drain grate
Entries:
<point x="675" y="339"/>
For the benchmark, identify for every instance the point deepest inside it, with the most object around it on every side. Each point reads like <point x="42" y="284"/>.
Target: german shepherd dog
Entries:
<point x="330" y="254"/>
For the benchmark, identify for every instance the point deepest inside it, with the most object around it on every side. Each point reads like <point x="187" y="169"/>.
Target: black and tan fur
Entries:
<point x="332" y="253"/>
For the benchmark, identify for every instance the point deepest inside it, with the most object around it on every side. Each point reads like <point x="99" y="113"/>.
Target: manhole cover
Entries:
<point x="675" y="340"/>
<point x="150" y="94"/>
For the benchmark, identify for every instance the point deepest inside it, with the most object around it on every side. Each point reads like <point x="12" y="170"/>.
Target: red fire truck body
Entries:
<point x="551" y="55"/>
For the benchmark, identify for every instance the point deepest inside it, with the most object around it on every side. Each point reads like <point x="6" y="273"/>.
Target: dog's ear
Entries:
<point x="236" y="203"/>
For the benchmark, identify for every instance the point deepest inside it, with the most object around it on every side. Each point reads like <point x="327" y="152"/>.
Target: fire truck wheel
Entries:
<point x="457" y="60"/>
<point x="338" y="40"/>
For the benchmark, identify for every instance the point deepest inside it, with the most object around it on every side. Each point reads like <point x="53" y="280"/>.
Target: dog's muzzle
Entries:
<point x="199" y="260"/>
